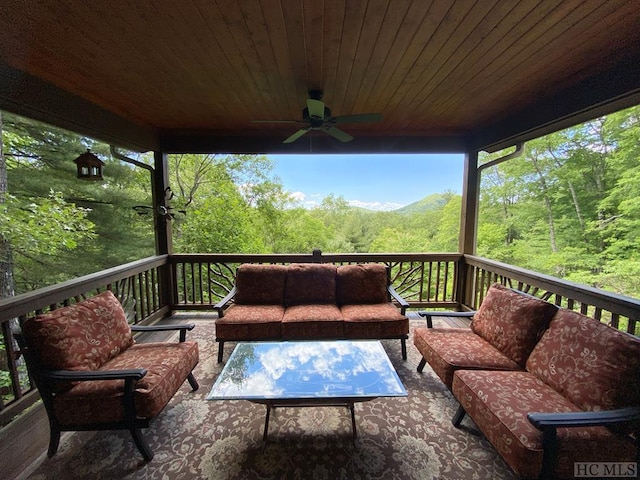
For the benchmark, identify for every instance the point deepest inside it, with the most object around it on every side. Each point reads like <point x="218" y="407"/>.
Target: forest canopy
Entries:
<point x="568" y="207"/>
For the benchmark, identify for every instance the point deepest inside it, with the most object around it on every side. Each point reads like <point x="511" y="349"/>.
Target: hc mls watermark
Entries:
<point x="605" y="469"/>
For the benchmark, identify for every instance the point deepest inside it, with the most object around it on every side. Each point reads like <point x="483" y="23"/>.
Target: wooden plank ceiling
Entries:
<point x="442" y="73"/>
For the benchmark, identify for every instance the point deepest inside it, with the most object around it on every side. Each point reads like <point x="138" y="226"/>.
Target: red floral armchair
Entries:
<point x="92" y="375"/>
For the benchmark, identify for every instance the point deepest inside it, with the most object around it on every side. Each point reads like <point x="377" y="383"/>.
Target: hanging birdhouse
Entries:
<point x="89" y="166"/>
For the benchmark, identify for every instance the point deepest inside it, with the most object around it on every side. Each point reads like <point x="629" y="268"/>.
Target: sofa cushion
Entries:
<point x="310" y="283"/>
<point x="498" y="402"/>
<point x="250" y="322"/>
<point x="361" y="284"/>
<point x="592" y="364"/>
<point x="167" y="365"/>
<point x="380" y="320"/>
<point x="451" y="349"/>
<point x="512" y="321"/>
<point x="82" y="336"/>
<point x="260" y="284"/>
<point x="312" y="322"/>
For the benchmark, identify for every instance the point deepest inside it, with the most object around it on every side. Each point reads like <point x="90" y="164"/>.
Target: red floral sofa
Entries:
<point x="562" y="390"/>
<point x="92" y="375"/>
<point x="311" y="301"/>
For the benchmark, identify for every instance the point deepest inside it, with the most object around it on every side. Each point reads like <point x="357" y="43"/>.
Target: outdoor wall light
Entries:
<point x="89" y="166"/>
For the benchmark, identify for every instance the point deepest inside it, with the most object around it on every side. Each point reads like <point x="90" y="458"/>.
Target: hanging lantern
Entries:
<point x="89" y="166"/>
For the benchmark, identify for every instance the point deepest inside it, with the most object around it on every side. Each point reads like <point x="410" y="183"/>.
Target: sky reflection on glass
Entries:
<point x="293" y="370"/>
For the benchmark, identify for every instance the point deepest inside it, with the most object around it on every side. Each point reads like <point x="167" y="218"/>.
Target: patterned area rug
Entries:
<point x="398" y="438"/>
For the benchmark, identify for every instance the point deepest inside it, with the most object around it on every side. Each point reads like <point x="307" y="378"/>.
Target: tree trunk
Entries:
<point x="7" y="286"/>
<point x="547" y="203"/>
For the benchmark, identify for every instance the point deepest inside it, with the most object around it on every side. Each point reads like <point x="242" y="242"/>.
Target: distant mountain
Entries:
<point x="432" y="202"/>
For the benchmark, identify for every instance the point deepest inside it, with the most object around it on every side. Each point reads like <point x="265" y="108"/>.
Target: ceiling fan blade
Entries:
<point x="277" y="121"/>
<point x="316" y="108"/>
<point x="339" y="134"/>
<point x="297" y="135"/>
<point x="362" y="118"/>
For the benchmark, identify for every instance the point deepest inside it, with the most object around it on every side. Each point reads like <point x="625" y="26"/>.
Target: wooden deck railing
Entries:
<point x="164" y="283"/>
<point x="618" y="311"/>
<point x="424" y="280"/>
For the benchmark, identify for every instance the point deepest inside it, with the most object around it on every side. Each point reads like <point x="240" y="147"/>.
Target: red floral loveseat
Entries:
<point x="549" y="387"/>
<point x="92" y="375"/>
<point x="311" y="301"/>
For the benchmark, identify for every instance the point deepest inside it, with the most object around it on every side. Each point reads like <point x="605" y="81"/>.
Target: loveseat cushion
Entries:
<point x="380" y="320"/>
<point x="512" y="321"/>
<point x="167" y="365"/>
<point x="361" y="284"/>
<point x="592" y="364"/>
<point x="313" y="321"/>
<point x="310" y="283"/>
<point x="260" y="284"/>
<point x="499" y="401"/>
<point x="451" y="349"/>
<point x="82" y="336"/>
<point x="250" y="322"/>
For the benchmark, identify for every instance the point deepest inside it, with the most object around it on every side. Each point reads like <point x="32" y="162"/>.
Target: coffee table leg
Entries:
<point x="353" y="421"/>
<point x="266" y="423"/>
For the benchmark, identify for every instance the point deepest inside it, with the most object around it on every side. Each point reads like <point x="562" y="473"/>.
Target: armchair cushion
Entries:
<point x="511" y="321"/>
<point x="260" y="284"/>
<point x="592" y="364"/>
<point x="310" y="283"/>
<point x="361" y="284"/>
<point x="167" y="365"/>
<point x="451" y="349"/>
<point x="82" y="336"/>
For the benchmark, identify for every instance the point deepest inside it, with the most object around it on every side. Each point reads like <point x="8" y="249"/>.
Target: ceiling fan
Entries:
<point x="317" y="116"/>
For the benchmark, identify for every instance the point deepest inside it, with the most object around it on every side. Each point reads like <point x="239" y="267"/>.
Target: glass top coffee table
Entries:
<point x="308" y="373"/>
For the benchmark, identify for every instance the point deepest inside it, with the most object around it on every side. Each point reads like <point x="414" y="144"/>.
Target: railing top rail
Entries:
<point x="620" y="304"/>
<point x="12" y="307"/>
<point x="324" y="257"/>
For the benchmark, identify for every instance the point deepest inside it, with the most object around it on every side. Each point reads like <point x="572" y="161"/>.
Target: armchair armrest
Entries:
<point x="164" y="328"/>
<point x="220" y="306"/>
<point x="544" y="421"/>
<point x="396" y="296"/>
<point x="429" y="315"/>
<point x="548" y="423"/>
<point x="85" y="376"/>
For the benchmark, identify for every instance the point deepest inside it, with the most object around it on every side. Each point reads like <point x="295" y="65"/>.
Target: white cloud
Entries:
<point x="315" y="200"/>
<point x="377" y="206"/>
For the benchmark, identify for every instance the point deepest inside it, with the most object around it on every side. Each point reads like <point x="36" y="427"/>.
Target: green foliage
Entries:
<point x="568" y="207"/>
<point x="43" y="226"/>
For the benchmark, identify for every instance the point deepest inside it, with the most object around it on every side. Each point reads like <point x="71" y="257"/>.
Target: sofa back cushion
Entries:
<point x="310" y="283"/>
<point x="260" y="284"/>
<point x="82" y="336"/>
<point x="361" y="284"/>
<point x="593" y="365"/>
<point x="512" y="321"/>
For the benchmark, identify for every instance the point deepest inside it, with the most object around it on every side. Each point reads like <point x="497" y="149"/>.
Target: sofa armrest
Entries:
<point x="429" y="315"/>
<point x="163" y="328"/>
<point x="548" y="423"/>
<point x="396" y="296"/>
<point x="221" y="305"/>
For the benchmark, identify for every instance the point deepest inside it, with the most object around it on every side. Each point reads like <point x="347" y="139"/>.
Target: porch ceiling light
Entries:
<point x="89" y="166"/>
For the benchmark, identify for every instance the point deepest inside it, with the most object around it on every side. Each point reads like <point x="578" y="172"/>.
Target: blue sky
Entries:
<point x="377" y="182"/>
